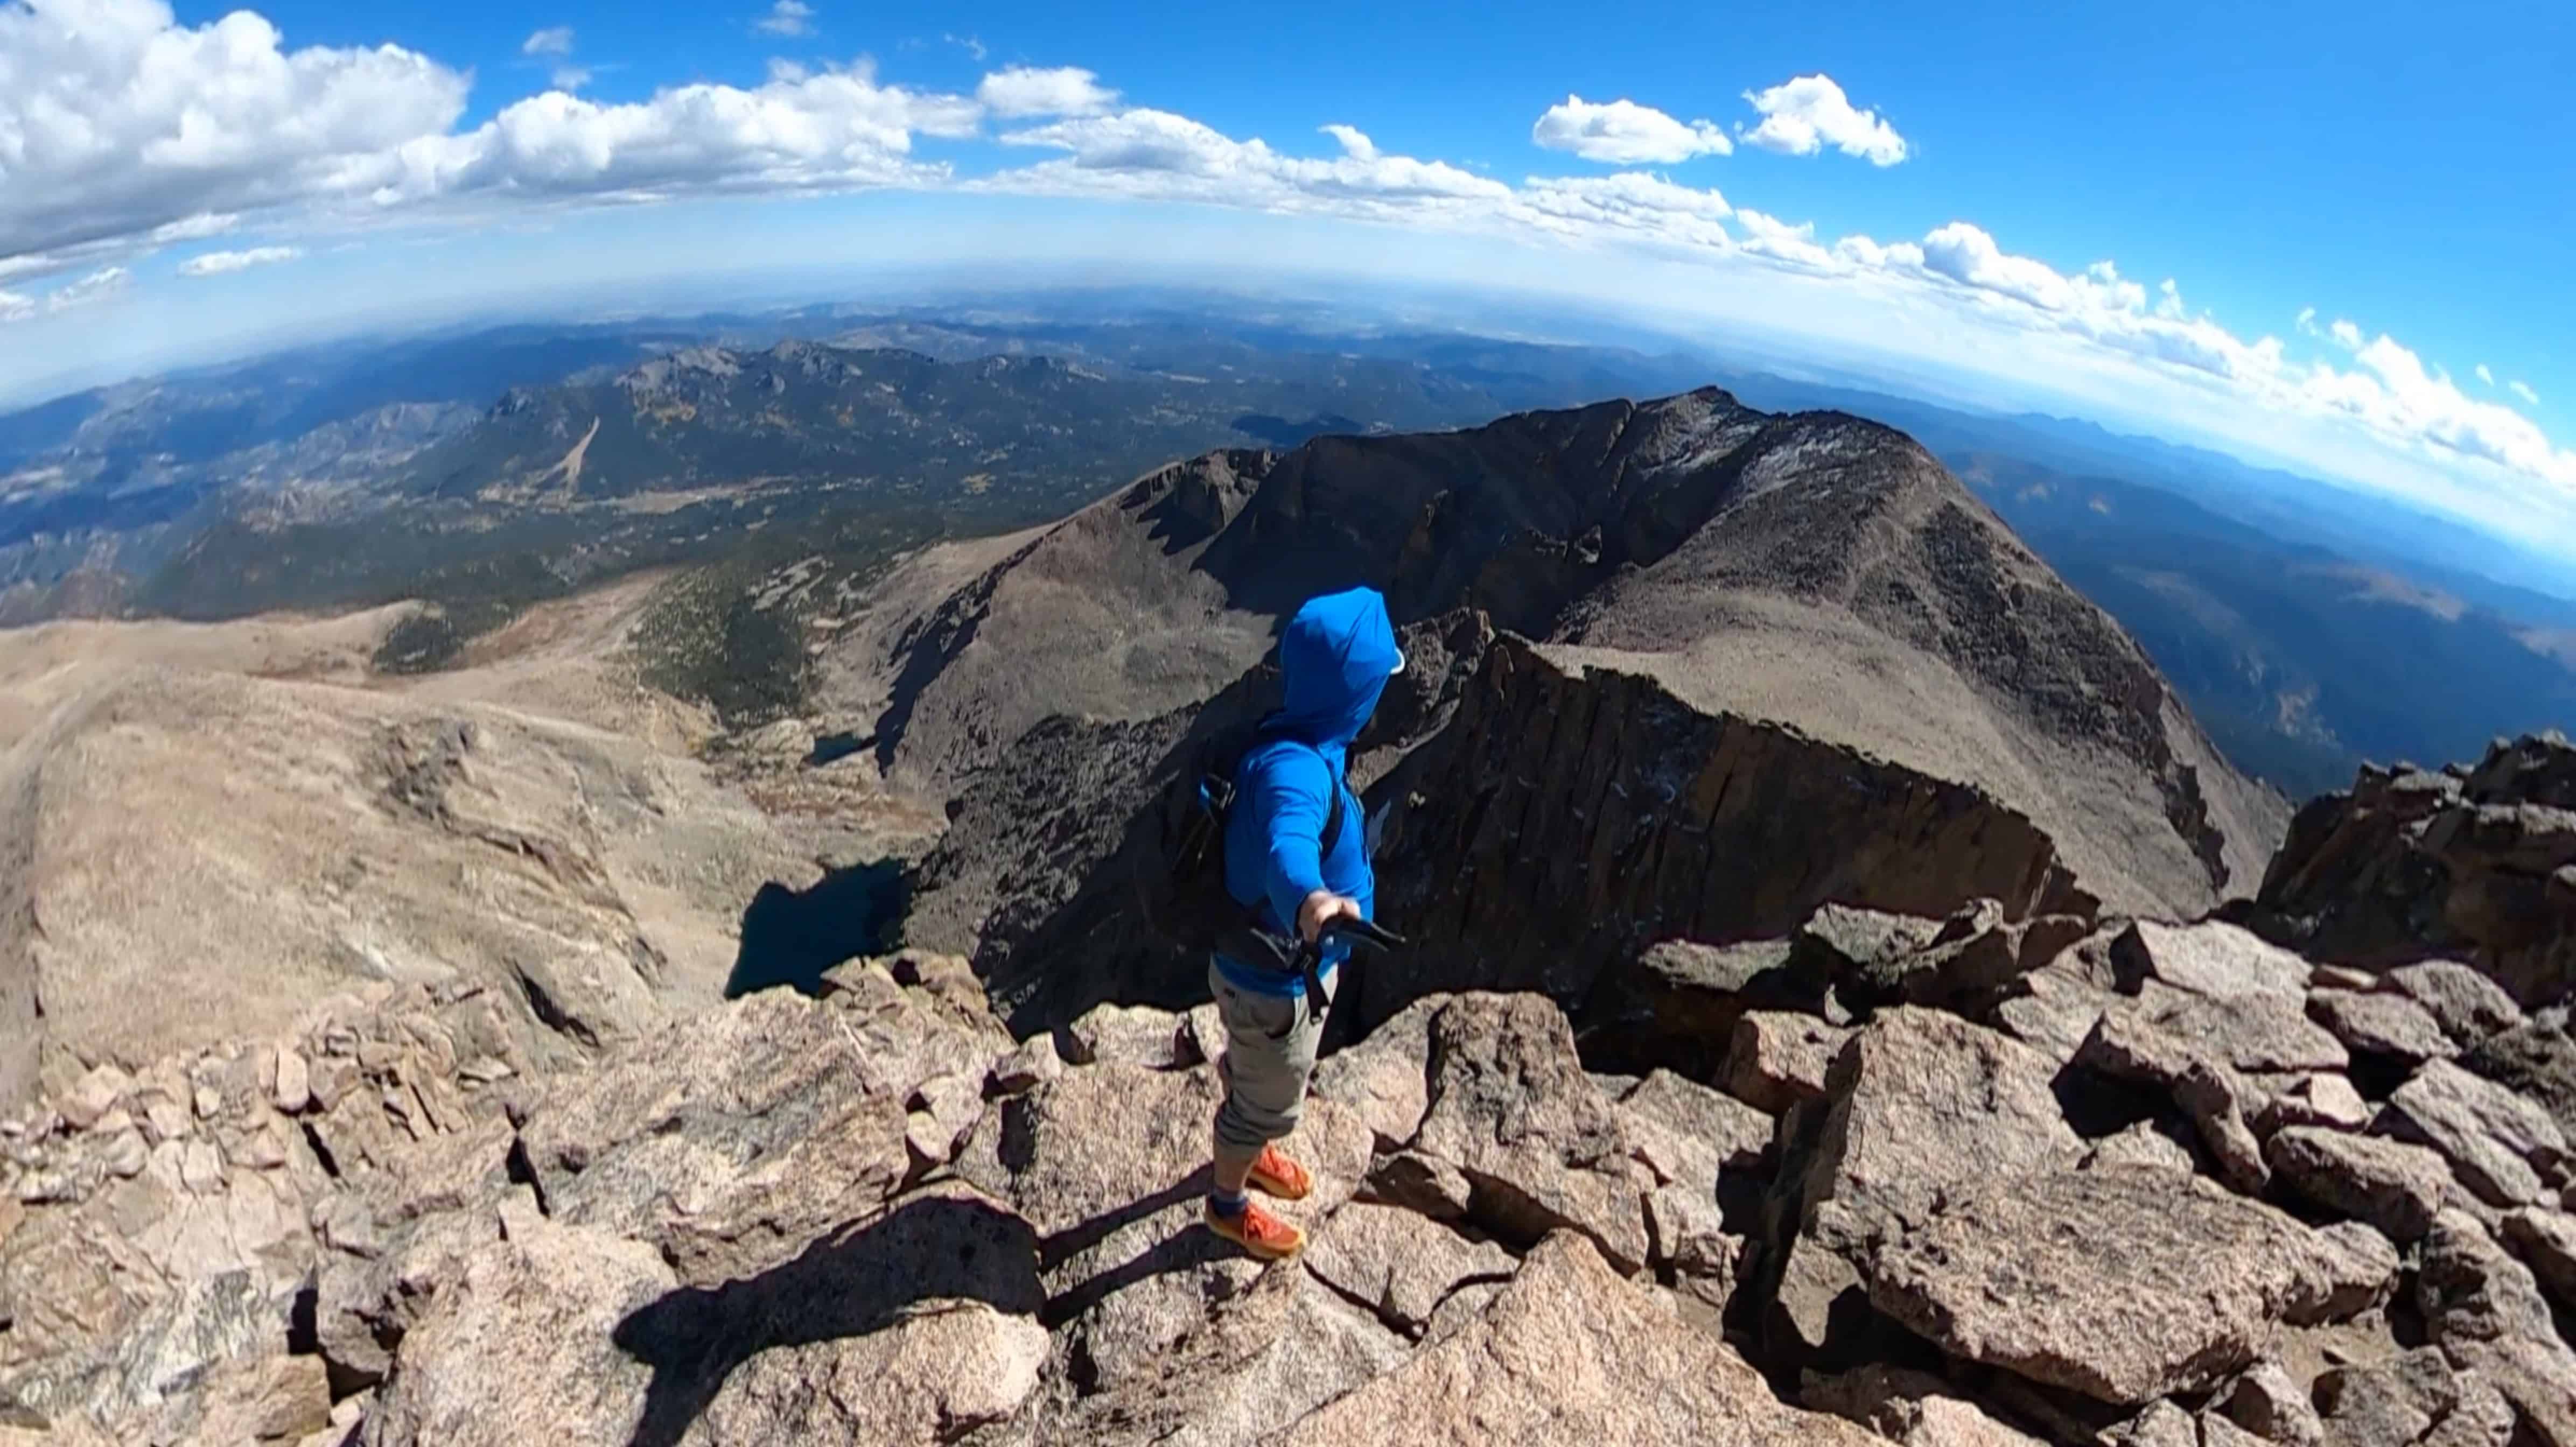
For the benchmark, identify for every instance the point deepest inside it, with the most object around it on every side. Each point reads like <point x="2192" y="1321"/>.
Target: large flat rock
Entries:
<point x="2124" y="1284"/>
<point x="2499" y="1144"/>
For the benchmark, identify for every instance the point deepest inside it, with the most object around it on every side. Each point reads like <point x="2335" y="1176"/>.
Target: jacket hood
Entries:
<point x="1336" y="656"/>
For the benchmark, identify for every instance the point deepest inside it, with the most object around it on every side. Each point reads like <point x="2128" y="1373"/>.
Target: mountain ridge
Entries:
<point x="1635" y="530"/>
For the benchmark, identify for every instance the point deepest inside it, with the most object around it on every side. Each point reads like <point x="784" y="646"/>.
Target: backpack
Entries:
<point x="1181" y="880"/>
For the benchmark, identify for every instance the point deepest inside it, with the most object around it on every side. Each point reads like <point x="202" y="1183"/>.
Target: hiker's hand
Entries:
<point x="1320" y="910"/>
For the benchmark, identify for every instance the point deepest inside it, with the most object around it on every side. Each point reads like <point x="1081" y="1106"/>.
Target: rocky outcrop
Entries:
<point x="871" y="1215"/>
<point x="2472" y="863"/>
<point x="1969" y="1172"/>
<point x="2485" y="1312"/>
<point x="1505" y="1376"/>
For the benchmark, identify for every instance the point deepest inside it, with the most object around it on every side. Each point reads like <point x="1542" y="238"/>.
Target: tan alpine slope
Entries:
<point x="203" y="829"/>
<point x="1813" y="570"/>
<point x="195" y="856"/>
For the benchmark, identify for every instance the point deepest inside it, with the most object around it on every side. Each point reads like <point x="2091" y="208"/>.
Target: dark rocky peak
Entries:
<point x="1814" y="570"/>
<point x="515" y="401"/>
<point x="2536" y="769"/>
<point x="1517" y="518"/>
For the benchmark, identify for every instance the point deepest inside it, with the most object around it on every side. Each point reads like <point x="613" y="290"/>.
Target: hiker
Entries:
<point x="1296" y="855"/>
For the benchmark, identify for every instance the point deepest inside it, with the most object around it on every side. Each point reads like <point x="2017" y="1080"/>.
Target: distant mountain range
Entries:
<point x="2307" y="627"/>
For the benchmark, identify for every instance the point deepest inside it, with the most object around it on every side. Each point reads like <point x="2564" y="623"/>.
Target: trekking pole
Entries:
<point x="1310" y="957"/>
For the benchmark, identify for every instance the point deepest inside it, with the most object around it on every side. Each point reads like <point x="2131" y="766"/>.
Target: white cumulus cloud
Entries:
<point x="2389" y="392"/>
<point x="1803" y="116"/>
<point x="114" y="119"/>
<point x="122" y="130"/>
<point x="1769" y="236"/>
<point x="553" y="40"/>
<point x="832" y="130"/>
<point x="217" y="263"/>
<point x="1023" y="90"/>
<point x="787" y="18"/>
<point x="1967" y="255"/>
<point x="1624" y="133"/>
<point x="1355" y="142"/>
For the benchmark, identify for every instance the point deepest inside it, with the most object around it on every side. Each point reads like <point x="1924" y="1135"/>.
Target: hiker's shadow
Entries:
<point x="1180" y="1251"/>
<point x="867" y="1277"/>
<point x="858" y="1280"/>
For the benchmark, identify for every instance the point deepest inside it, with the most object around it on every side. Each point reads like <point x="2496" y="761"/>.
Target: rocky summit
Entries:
<point x="1979" y="1179"/>
<point x="1846" y="1001"/>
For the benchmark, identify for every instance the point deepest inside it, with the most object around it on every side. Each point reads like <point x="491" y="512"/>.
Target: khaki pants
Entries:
<point x="1270" y="1045"/>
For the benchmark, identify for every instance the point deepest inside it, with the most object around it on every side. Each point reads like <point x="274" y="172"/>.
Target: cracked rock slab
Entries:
<point x="2125" y="1284"/>
<point x="1511" y="1107"/>
<point x="1398" y="1264"/>
<point x="2497" y="1142"/>
<point x="2396" y="1187"/>
<point x="1569" y="1352"/>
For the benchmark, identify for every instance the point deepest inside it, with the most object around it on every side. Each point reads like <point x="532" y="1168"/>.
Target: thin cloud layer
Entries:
<point x="1624" y="133"/>
<point x="1023" y="90"/>
<point x="1803" y="116"/>
<point x="99" y="285"/>
<point x="788" y="19"/>
<point x="219" y="263"/>
<point x="1156" y="154"/>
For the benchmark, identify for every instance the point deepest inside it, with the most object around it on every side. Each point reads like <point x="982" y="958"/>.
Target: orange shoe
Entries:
<point x="1276" y="1175"/>
<point x="1257" y="1231"/>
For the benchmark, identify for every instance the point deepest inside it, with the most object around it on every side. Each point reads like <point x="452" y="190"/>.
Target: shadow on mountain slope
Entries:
<point x="790" y="937"/>
<point x="862" y="1279"/>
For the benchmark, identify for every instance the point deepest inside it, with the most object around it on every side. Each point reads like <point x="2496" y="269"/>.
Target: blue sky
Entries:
<point x="2288" y="167"/>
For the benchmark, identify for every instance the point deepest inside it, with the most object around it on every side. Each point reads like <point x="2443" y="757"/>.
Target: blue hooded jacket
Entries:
<point x="1336" y="657"/>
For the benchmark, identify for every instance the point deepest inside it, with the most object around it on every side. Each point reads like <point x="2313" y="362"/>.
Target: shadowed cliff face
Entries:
<point x="1544" y="823"/>
<point x="1568" y="817"/>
